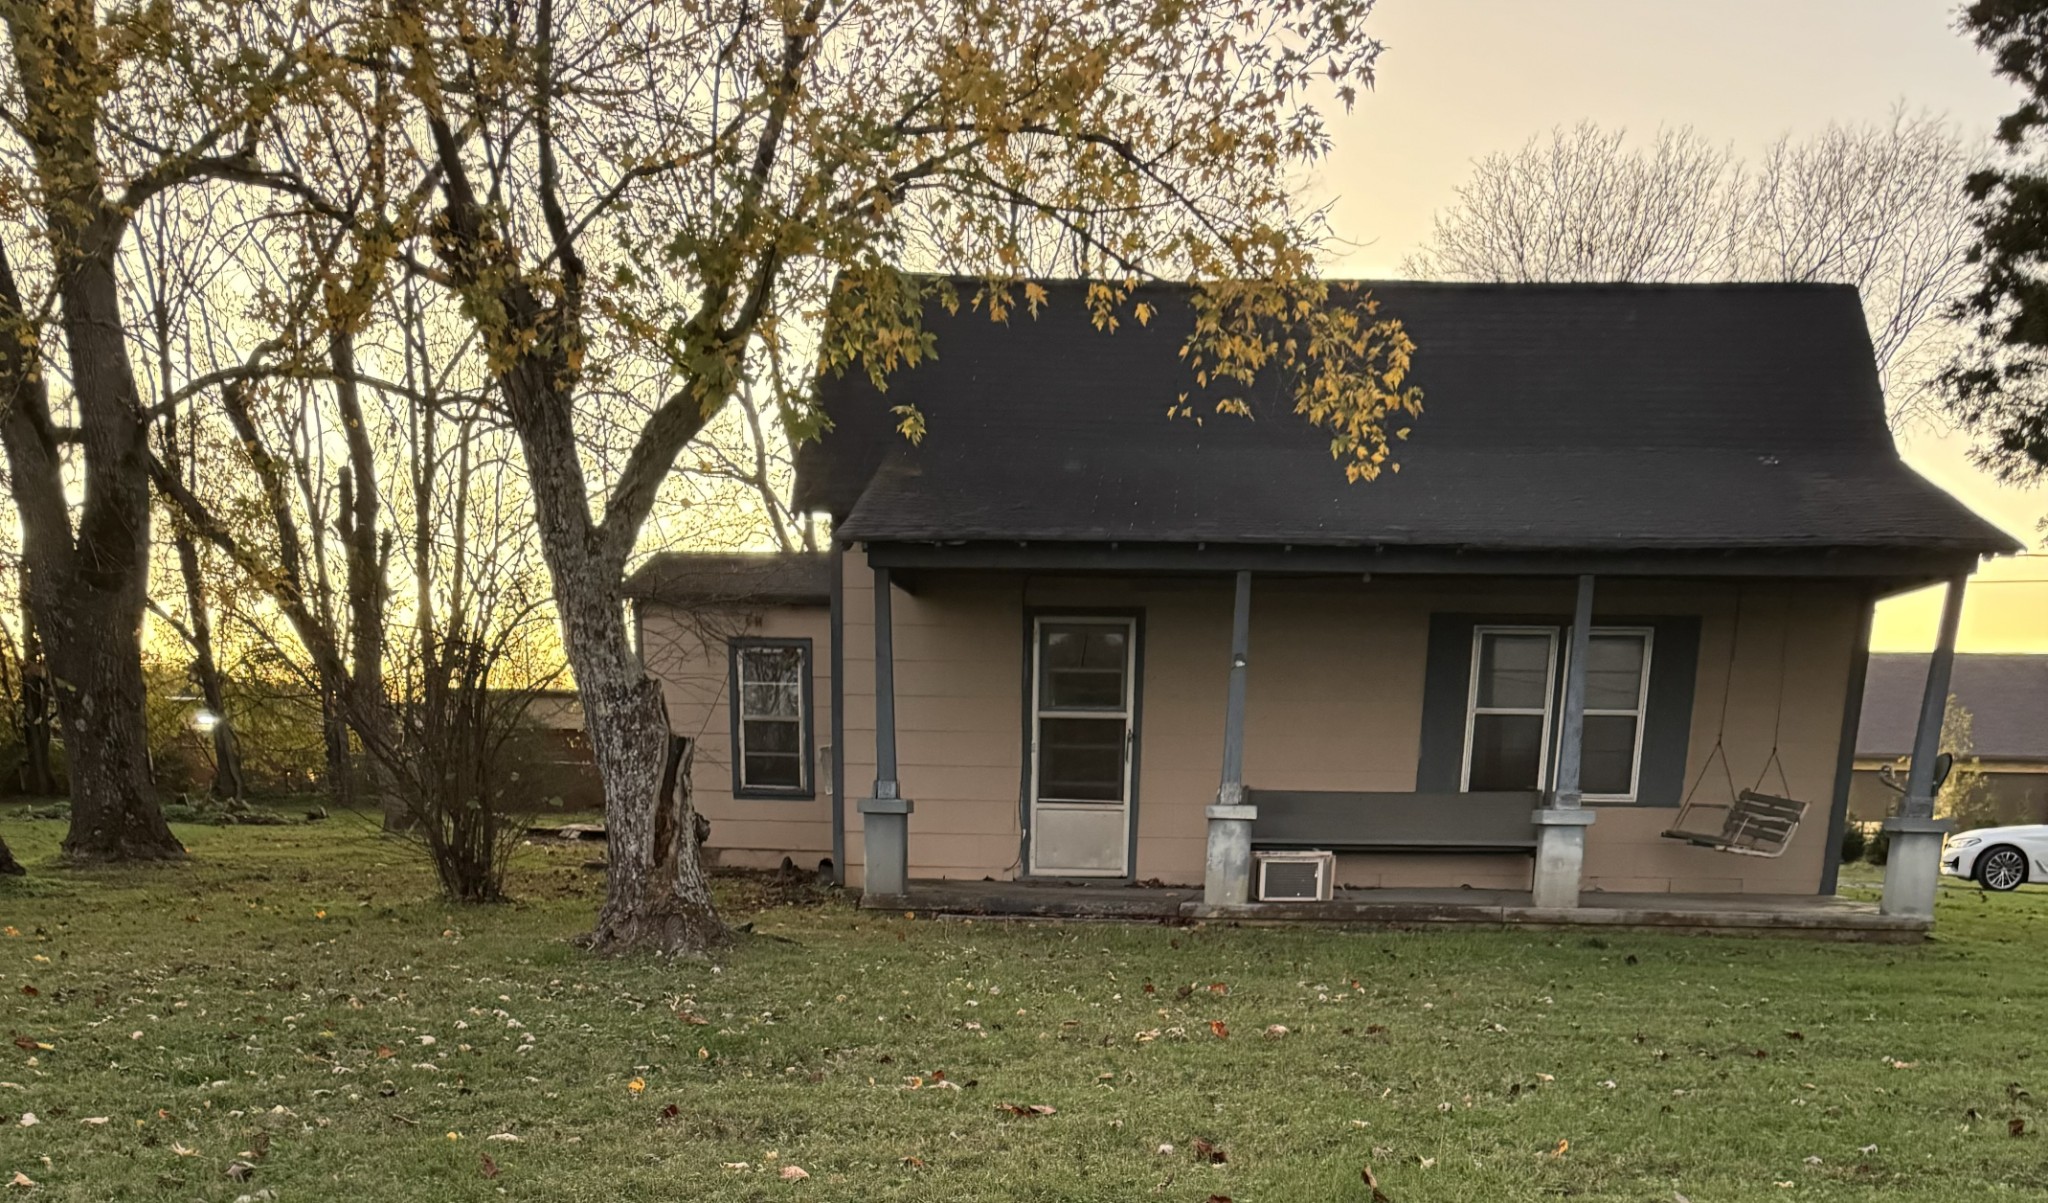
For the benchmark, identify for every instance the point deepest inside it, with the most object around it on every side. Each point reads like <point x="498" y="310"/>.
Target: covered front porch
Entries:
<point x="1805" y="915"/>
<point x="1440" y="846"/>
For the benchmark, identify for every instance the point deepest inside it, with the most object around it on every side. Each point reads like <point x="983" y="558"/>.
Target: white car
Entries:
<point x="1998" y="858"/>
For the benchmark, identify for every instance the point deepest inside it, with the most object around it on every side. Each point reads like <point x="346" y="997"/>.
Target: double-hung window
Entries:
<point x="771" y="717"/>
<point x="1516" y="695"/>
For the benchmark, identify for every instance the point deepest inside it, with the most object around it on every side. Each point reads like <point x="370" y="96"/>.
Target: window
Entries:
<point x="1508" y="732"/>
<point x="1515" y="694"/>
<point x="771" y="717"/>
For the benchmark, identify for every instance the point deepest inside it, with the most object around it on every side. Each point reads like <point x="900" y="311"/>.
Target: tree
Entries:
<point x="1876" y="206"/>
<point x="107" y="110"/>
<point x="1998" y="387"/>
<point x="1966" y="795"/>
<point x="643" y="207"/>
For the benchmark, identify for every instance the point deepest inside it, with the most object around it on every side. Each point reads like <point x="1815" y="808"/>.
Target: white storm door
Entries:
<point x="1081" y="737"/>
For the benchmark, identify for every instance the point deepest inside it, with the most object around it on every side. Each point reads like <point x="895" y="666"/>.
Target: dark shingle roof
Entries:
<point x="1558" y="417"/>
<point x="2007" y="697"/>
<point x="698" y="579"/>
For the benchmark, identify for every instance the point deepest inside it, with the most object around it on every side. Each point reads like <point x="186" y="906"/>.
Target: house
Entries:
<point x="2007" y="698"/>
<point x="1069" y="638"/>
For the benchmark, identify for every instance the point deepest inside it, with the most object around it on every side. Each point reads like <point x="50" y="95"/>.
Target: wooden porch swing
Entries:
<point x="1750" y="822"/>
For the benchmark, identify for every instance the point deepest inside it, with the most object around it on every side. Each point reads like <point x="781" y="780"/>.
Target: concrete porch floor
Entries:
<point x="1805" y="915"/>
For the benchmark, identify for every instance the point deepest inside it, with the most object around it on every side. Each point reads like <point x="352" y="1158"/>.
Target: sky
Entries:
<point x="1462" y="78"/>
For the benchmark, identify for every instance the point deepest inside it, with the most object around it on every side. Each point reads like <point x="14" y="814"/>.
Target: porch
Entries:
<point x="1727" y="662"/>
<point x="1808" y="916"/>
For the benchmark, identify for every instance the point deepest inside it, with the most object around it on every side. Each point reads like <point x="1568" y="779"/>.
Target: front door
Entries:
<point x="1081" y="743"/>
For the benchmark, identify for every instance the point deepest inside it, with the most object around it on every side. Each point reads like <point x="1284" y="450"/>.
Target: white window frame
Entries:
<point x="1127" y="711"/>
<point x="1641" y="713"/>
<point x="740" y="648"/>
<point x="1473" y="709"/>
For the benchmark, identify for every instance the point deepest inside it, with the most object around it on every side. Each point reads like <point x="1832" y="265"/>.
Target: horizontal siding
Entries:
<point x="1333" y="703"/>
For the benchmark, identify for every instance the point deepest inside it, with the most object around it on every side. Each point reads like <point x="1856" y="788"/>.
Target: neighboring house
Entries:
<point x="1097" y="613"/>
<point x="2007" y="697"/>
<point x="553" y="752"/>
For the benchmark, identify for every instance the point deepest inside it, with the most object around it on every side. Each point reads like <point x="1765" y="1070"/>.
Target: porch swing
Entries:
<point x="1750" y="822"/>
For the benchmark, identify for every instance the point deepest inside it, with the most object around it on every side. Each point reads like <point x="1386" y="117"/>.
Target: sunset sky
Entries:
<point x="1462" y="78"/>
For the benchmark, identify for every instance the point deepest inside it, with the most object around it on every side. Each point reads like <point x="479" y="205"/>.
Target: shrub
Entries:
<point x="1880" y="849"/>
<point x="1854" y="843"/>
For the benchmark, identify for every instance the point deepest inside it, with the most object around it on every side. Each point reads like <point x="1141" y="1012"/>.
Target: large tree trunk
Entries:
<point x="8" y="864"/>
<point x="114" y="814"/>
<point x="86" y="588"/>
<point x="657" y="897"/>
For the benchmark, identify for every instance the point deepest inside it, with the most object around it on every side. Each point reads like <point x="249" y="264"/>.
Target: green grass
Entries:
<point x="276" y="995"/>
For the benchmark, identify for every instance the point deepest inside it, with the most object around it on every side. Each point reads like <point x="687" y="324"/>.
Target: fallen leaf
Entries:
<point x="1563" y="1146"/>
<point x="794" y="1173"/>
<point x="1276" y="1031"/>
<point x="637" y="1086"/>
<point x="488" y="1168"/>
<point x="20" y="1179"/>
<point x="1032" y="1111"/>
<point x="384" y="1052"/>
<point x="94" y="1121"/>
<point x="30" y="991"/>
<point x="1166" y="1150"/>
<point x="2016" y="1126"/>
<point x="240" y="1171"/>
<point x="1219" y="1199"/>
<point x="1205" y="1151"/>
<point x="182" y="1151"/>
<point x="671" y="1111"/>
<point x="504" y="1136"/>
<point x="915" y="1163"/>
<point x="1219" y="1029"/>
<point x="29" y="1120"/>
<point x="1219" y="987"/>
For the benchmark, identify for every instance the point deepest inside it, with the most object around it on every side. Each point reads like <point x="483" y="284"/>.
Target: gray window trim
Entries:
<point x="807" y="735"/>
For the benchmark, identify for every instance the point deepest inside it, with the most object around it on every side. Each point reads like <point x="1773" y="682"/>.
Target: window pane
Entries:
<point x="1607" y="765"/>
<point x="1083" y="667"/>
<point x="1081" y="759"/>
<point x="772" y="735"/>
<point x="1514" y="671"/>
<point x="769" y="771"/>
<point x="1614" y="672"/>
<point x="1507" y="751"/>
<point x="771" y="681"/>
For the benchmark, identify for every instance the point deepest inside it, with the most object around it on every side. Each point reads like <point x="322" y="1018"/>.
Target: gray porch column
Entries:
<point x="885" y="817"/>
<point x="1913" y="869"/>
<point x="1227" y="879"/>
<point x="1561" y="825"/>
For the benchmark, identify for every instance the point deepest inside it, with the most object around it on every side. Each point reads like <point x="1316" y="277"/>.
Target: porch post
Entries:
<point x="1561" y="824"/>
<point x="1913" y="869"/>
<point x="885" y="817"/>
<point x="1227" y="878"/>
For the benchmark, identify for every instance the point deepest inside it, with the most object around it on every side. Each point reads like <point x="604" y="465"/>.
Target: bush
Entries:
<point x="1854" y="844"/>
<point x="1880" y="849"/>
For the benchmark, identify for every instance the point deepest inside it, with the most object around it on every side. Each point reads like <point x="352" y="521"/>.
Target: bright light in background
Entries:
<point x="205" y="721"/>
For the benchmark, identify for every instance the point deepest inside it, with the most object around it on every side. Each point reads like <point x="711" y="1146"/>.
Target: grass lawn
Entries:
<point x="297" y="998"/>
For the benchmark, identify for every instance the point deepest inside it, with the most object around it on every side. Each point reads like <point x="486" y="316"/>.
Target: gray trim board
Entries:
<point x="1667" y="725"/>
<point x="1908" y="565"/>
<point x="1350" y="821"/>
<point x="837" y="629"/>
<point x="1845" y="754"/>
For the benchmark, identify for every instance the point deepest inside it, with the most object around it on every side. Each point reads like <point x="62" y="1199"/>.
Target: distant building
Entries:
<point x="2007" y="697"/>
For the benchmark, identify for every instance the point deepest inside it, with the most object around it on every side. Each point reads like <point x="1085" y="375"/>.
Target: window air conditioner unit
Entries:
<point x="1295" y="876"/>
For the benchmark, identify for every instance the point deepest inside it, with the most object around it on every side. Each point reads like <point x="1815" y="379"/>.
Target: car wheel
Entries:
<point x="2002" y="868"/>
